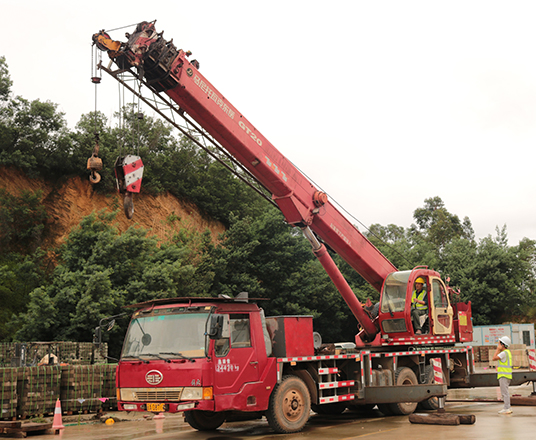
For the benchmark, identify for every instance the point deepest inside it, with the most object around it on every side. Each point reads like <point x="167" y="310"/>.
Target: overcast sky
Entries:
<point x="382" y="103"/>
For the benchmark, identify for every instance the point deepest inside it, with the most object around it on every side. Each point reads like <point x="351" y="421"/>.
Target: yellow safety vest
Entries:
<point x="504" y="369"/>
<point x="420" y="297"/>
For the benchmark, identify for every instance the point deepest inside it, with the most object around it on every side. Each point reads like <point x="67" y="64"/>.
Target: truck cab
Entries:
<point x="207" y="354"/>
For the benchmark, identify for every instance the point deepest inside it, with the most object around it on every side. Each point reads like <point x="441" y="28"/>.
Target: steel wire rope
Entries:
<point x="188" y="131"/>
<point x="119" y="28"/>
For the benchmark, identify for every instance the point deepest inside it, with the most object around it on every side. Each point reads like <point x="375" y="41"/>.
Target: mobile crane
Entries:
<point x="229" y="358"/>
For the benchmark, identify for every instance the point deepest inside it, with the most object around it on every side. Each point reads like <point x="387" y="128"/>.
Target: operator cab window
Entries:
<point x="235" y="334"/>
<point x="240" y="336"/>
<point x="394" y="292"/>
<point x="440" y="296"/>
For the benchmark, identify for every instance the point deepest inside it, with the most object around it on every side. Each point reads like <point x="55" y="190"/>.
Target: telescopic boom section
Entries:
<point x="167" y="69"/>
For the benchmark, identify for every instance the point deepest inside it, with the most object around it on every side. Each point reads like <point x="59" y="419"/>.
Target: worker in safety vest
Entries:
<point x="419" y="305"/>
<point x="504" y="371"/>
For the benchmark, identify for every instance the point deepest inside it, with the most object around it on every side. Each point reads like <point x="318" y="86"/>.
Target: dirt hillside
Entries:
<point x="71" y="200"/>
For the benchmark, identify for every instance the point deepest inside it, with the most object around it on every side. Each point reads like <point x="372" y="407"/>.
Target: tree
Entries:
<point x="269" y="259"/>
<point x="438" y="226"/>
<point x="22" y="221"/>
<point x="101" y="271"/>
<point x="20" y="275"/>
<point x="5" y="80"/>
<point x="35" y="137"/>
<point x="492" y="275"/>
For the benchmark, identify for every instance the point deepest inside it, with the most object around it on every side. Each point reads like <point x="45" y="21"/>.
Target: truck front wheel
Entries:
<point x="290" y="405"/>
<point x="204" y="420"/>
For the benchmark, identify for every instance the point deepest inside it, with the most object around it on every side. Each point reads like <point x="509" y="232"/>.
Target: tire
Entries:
<point x="404" y="376"/>
<point x="128" y="205"/>
<point x="362" y="409"/>
<point x="432" y="403"/>
<point x="385" y="409"/>
<point x="204" y="420"/>
<point x="330" y="409"/>
<point x="289" y="406"/>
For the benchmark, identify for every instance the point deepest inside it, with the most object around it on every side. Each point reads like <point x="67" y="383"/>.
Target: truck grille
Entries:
<point x="159" y="394"/>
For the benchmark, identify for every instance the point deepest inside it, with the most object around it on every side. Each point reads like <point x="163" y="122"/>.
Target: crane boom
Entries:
<point x="168" y="70"/>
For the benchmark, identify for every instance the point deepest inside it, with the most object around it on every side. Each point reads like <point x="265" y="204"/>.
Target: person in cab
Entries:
<point x="419" y="306"/>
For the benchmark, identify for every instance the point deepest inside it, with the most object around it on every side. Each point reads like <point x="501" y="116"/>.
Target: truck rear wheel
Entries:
<point x="204" y="420"/>
<point x="404" y="376"/>
<point x="290" y="405"/>
<point x="433" y="402"/>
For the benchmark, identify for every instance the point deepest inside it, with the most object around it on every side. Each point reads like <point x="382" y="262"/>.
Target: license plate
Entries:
<point x="155" y="407"/>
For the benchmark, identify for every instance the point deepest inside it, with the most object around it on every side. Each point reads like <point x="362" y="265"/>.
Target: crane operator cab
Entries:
<point x="415" y="303"/>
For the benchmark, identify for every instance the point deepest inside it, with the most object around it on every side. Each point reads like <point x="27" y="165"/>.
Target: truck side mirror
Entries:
<point x="216" y="327"/>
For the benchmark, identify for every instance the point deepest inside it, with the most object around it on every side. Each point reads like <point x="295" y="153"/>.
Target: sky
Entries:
<point x="383" y="104"/>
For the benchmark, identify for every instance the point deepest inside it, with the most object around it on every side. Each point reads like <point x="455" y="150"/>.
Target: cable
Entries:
<point x="122" y="27"/>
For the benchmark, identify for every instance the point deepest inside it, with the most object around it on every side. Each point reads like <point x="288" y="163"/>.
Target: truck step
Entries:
<point x="333" y="399"/>
<point x="322" y="371"/>
<point x="338" y="384"/>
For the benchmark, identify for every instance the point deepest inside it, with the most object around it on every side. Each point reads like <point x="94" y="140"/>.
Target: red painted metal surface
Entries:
<point x="291" y="335"/>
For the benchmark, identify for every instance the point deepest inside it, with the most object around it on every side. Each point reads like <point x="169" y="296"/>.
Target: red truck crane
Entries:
<point x="221" y="358"/>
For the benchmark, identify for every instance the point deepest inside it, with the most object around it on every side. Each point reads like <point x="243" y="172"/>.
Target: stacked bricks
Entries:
<point x="108" y="387"/>
<point x="68" y="351"/>
<point x="38" y="389"/>
<point x="7" y="351"/>
<point x="87" y="388"/>
<point x="74" y="353"/>
<point x="8" y="393"/>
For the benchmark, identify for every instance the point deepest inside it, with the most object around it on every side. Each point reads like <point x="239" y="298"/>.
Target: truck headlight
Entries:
<point x="197" y="393"/>
<point x="126" y="394"/>
<point x="192" y="393"/>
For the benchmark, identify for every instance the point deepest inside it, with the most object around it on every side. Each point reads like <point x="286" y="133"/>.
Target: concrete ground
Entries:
<point x="489" y="425"/>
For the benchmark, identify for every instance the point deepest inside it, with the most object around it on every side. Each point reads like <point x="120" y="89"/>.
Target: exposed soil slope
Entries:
<point x="67" y="202"/>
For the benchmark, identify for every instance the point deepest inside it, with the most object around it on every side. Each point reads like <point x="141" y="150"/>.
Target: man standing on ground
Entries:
<point x="504" y="371"/>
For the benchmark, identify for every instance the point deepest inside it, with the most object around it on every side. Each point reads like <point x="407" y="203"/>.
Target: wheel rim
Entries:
<point x="293" y="404"/>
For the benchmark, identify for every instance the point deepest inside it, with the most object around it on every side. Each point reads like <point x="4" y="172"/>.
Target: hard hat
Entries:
<point x="420" y="280"/>
<point x="505" y="341"/>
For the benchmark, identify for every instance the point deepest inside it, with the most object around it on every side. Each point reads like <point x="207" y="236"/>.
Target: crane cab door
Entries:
<point x="441" y="310"/>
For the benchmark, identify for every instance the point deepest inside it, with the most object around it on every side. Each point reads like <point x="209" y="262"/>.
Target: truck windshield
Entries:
<point x="394" y="292"/>
<point x="166" y="336"/>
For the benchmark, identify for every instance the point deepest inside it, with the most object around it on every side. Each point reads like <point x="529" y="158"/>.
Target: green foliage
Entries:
<point x="497" y="279"/>
<point x="100" y="271"/>
<point x="19" y="276"/>
<point x="34" y="137"/>
<point x="5" y="80"/>
<point x="268" y="259"/>
<point x="22" y="221"/>
<point x="438" y="226"/>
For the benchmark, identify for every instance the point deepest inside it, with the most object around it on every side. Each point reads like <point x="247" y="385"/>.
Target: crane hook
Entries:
<point x="94" y="163"/>
<point x="128" y="175"/>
